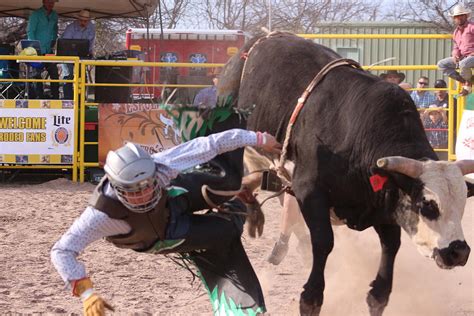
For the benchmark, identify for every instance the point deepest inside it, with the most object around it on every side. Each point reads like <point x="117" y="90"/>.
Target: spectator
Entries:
<point x="82" y="28"/>
<point x="422" y="99"/>
<point x="207" y="97"/>
<point x="463" y="50"/>
<point x="393" y="76"/>
<point x="441" y="96"/>
<point x="43" y="27"/>
<point x="435" y="123"/>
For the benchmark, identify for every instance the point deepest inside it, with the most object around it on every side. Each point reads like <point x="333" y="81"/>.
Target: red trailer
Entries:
<point x="183" y="46"/>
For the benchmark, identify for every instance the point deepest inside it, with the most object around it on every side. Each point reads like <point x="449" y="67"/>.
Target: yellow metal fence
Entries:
<point x="75" y="82"/>
<point x="80" y="84"/>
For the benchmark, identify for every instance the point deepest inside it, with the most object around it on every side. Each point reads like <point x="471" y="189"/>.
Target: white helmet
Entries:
<point x="459" y="9"/>
<point x="132" y="173"/>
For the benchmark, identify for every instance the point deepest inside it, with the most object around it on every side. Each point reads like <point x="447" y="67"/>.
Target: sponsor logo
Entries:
<point x="61" y="135"/>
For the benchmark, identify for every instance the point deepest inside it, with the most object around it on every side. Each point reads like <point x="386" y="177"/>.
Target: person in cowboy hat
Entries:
<point x="393" y="76"/>
<point x="435" y="123"/>
<point x="462" y="55"/>
<point x="81" y="28"/>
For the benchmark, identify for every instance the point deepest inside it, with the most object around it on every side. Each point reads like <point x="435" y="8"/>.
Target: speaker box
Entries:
<point x="113" y="74"/>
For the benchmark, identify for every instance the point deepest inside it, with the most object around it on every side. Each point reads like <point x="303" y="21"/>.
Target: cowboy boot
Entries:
<point x="457" y="76"/>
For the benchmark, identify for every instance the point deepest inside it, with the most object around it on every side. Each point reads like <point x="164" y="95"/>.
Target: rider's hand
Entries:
<point x="95" y="305"/>
<point x="268" y="143"/>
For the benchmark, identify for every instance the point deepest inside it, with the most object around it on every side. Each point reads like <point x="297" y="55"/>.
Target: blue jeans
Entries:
<point x="448" y="66"/>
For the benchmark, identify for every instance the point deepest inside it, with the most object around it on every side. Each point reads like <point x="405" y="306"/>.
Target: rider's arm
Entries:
<point x="202" y="149"/>
<point x="89" y="227"/>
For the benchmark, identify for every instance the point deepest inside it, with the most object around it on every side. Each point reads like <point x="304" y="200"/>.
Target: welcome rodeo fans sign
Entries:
<point x="36" y="131"/>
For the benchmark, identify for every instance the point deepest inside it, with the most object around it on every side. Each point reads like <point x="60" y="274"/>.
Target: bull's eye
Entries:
<point x="429" y="209"/>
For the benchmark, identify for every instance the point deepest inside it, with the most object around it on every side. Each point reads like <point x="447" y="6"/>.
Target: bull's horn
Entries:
<point x="410" y="167"/>
<point x="466" y="166"/>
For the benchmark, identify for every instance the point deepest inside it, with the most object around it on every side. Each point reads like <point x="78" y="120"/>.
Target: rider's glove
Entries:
<point x="93" y="304"/>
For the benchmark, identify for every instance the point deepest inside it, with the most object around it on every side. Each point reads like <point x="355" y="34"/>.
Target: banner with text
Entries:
<point x="144" y="124"/>
<point x="36" y="132"/>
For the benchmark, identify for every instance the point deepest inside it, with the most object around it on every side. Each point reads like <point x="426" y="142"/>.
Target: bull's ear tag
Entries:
<point x="377" y="182"/>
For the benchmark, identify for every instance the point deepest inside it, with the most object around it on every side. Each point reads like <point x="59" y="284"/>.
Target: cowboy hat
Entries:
<point x="83" y="15"/>
<point x="433" y="109"/>
<point x="459" y="9"/>
<point x="400" y="75"/>
<point x="29" y="51"/>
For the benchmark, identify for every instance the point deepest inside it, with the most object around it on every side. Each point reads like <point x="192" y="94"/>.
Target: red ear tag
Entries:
<point x="377" y="181"/>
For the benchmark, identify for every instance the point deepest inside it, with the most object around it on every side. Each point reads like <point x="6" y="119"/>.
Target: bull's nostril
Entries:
<point x="456" y="254"/>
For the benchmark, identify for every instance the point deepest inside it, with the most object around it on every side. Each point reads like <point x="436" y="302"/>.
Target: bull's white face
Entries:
<point x="435" y="224"/>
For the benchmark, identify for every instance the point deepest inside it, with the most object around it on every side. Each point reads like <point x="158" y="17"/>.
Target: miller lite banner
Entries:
<point x="146" y="125"/>
<point x="36" y="132"/>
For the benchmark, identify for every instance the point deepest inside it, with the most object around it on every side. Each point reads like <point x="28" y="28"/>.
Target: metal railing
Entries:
<point x="75" y="82"/>
<point x="81" y="85"/>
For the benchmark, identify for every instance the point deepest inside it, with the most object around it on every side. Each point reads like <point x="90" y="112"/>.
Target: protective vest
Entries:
<point x="147" y="228"/>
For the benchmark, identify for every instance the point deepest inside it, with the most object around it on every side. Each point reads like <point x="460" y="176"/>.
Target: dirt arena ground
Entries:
<point x="32" y="218"/>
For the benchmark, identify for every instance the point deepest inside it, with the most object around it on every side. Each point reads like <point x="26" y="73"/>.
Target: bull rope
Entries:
<point x="280" y="168"/>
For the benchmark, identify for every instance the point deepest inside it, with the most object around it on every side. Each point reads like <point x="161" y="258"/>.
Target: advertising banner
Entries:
<point x="465" y="139"/>
<point x="36" y="131"/>
<point x="144" y="124"/>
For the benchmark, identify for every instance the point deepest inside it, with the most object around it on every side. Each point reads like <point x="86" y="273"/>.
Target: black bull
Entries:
<point x="350" y="121"/>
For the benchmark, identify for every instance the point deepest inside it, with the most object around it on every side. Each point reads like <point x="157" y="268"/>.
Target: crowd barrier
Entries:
<point x="82" y="143"/>
<point x="38" y="134"/>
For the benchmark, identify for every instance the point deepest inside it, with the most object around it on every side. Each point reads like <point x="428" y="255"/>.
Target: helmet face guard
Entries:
<point x="140" y="198"/>
<point x="132" y="173"/>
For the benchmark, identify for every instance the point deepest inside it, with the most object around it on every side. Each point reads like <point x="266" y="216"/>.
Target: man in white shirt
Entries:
<point x="81" y="28"/>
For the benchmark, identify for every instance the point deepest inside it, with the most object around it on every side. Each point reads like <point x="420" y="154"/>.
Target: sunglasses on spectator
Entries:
<point x="422" y="82"/>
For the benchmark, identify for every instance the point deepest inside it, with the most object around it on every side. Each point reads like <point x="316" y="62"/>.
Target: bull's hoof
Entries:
<point x="309" y="309"/>
<point x="376" y="308"/>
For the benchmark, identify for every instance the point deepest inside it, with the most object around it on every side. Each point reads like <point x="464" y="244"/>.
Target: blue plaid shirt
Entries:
<point x="424" y="100"/>
<point x="437" y="133"/>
